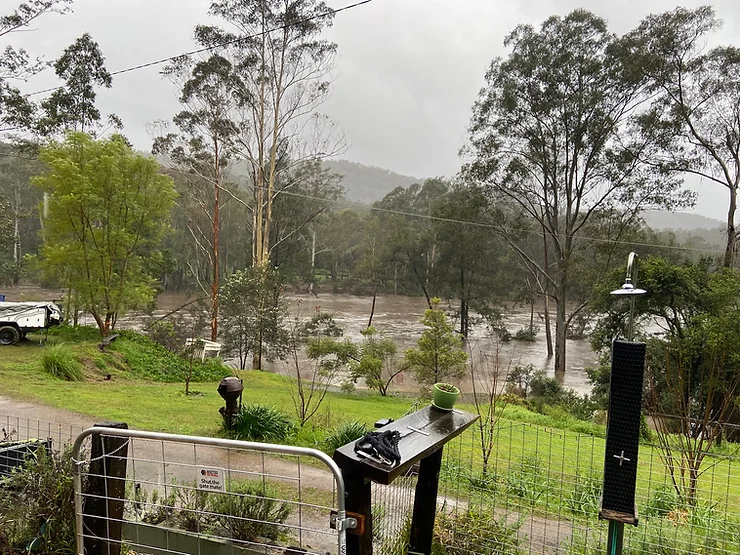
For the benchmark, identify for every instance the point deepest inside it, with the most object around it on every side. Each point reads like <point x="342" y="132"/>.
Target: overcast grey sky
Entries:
<point x="408" y="72"/>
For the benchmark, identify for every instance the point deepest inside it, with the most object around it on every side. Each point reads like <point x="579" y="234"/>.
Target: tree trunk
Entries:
<point x="548" y="326"/>
<point x="372" y="309"/>
<point x="531" y="314"/>
<point x="216" y="233"/>
<point x="313" y="262"/>
<point x="464" y="319"/>
<point x="731" y="231"/>
<point x="257" y="358"/>
<point x="545" y="297"/>
<point x="561" y="330"/>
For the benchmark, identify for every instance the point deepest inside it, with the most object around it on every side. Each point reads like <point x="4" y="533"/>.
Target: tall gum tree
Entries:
<point x="695" y="114"/>
<point x="551" y="138"/>
<point x="201" y="152"/>
<point x="283" y="66"/>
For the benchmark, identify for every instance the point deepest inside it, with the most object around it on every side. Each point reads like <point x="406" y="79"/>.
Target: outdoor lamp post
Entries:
<point x="623" y="426"/>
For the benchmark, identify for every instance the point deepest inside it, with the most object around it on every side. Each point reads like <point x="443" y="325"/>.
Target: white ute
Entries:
<point x="17" y="319"/>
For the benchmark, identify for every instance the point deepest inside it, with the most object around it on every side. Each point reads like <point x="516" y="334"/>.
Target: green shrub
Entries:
<point x="345" y="433"/>
<point x="584" y="499"/>
<point x="528" y="480"/>
<point x="526" y="334"/>
<point x="59" y="361"/>
<point x="194" y="507"/>
<point x="476" y="531"/>
<point x="250" y="512"/>
<point x="262" y="423"/>
<point x="663" y="501"/>
<point x="149" y="508"/>
<point x="546" y="388"/>
<point x="37" y="505"/>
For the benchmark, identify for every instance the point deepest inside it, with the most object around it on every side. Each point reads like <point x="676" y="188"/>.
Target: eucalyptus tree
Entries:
<point x="550" y="137"/>
<point x="72" y="106"/>
<point x="201" y="151"/>
<point x="283" y="67"/>
<point x="17" y="112"/>
<point x="695" y="114"/>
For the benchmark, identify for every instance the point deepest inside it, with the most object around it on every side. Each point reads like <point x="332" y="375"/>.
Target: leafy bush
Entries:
<point x="549" y="390"/>
<point x="663" y="501"/>
<point x="59" y="361"/>
<point x="250" y="512"/>
<point x="37" y="505"/>
<point x="194" y="507"/>
<point x="345" y="433"/>
<point x="526" y="334"/>
<point x="584" y="499"/>
<point x="476" y="531"/>
<point x="149" y="360"/>
<point x="528" y="480"/>
<point x="262" y="423"/>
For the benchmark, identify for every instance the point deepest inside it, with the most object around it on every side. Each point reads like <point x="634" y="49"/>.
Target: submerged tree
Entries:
<point x="548" y="137"/>
<point x="253" y="316"/>
<point x="108" y="211"/>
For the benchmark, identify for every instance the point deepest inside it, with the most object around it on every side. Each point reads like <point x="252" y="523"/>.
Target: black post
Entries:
<point x="425" y="504"/>
<point x="359" y="501"/>
<point x="105" y="492"/>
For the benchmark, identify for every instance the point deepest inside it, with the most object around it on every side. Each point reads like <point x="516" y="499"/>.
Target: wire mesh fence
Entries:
<point x="17" y="428"/>
<point x="540" y="492"/>
<point x="203" y="495"/>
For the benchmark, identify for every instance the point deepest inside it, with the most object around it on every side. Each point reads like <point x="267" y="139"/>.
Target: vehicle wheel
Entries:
<point x="9" y="335"/>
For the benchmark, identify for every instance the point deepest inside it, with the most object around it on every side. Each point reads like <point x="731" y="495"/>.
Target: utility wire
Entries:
<point x="472" y="223"/>
<point x="497" y="227"/>
<point x="220" y="45"/>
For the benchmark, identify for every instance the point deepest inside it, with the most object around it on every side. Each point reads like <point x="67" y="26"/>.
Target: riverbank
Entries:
<point x="139" y="382"/>
<point x="397" y="317"/>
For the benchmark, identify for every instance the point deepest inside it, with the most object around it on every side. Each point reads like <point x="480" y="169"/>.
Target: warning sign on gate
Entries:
<point x="210" y="478"/>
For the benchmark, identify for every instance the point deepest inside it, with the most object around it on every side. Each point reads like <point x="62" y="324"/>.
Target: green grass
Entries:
<point x="536" y="457"/>
<point x="59" y="361"/>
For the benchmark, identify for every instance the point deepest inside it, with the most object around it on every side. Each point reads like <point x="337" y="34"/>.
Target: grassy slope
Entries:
<point x="164" y="407"/>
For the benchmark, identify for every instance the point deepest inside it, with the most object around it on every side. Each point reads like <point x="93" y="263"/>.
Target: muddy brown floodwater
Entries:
<point x="397" y="317"/>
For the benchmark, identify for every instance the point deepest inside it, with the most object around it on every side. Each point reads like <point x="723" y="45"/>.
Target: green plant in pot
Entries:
<point x="445" y="396"/>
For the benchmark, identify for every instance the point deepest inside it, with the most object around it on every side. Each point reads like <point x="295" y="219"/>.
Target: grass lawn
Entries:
<point x="541" y="463"/>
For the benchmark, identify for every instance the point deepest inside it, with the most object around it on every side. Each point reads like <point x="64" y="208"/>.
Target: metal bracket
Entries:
<point x="354" y="523"/>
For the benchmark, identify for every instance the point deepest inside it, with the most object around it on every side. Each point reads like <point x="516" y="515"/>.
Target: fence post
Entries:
<point x="105" y="492"/>
<point x="425" y="504"/>
<point x="359" y="501"/>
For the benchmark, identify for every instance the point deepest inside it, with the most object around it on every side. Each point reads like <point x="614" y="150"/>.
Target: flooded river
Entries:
<point x="397" y="317"/>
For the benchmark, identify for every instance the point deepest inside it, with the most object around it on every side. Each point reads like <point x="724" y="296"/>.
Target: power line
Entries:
<point x="472" y="223"/>
<point x="220" y="45"/>
<point x="498" y="227"/>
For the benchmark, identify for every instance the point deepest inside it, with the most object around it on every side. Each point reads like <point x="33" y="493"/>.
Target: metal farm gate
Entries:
<point x="159" y="494"/>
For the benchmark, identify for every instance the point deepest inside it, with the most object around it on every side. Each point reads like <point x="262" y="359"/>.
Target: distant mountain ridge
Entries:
<point x="679" y="221"/>
<point x="368" y="184"/>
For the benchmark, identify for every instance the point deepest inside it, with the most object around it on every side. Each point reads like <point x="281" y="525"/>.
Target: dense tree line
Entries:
<point x="576" y="131"/>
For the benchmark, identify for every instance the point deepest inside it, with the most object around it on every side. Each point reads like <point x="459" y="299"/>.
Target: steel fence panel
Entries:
<point x="263" y="498"/>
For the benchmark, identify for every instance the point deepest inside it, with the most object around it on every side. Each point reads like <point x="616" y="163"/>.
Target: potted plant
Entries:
<point x="445" y="396"/>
